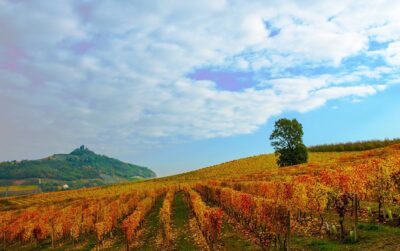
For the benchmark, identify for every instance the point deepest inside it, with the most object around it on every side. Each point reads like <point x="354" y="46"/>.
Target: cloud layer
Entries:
<point x="116" y="74"/>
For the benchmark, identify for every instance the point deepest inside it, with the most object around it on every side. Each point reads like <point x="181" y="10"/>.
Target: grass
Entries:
<point x="322" y="245"/>
<point x="231" y="238"/>
<point x="180" y="220"/>
<point x="18" y="188"/>
<point x="369" y="227"/>
<point x="234" y="240"/>
<point x="371" y="237"/>
<point x="86" y="243"/>
<point x="152" y="227"/>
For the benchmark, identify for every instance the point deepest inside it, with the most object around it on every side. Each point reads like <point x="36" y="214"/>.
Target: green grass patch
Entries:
<point x="323" y="245"/>
<point x="152" y="226"/>
<point x="233" y="240"/>
<point x="18" y="188"/>
<point x="180" y="220"/>
<point x="371" y="237"/>
<point x="369" y="227"/>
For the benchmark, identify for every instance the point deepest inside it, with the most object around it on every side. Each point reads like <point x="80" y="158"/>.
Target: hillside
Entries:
<point x="81" y="167"/>
<point x="245" y="204"/>
<point x="354" y="146"/>
<point x="251" y="166"/>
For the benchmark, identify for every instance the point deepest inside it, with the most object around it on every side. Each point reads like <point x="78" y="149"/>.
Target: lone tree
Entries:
<point x="288" y="143"/>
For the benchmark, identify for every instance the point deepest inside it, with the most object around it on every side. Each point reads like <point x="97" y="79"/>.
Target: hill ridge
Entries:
<point x="81" y="166"/>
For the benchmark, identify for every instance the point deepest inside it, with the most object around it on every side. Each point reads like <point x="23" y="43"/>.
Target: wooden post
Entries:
<point x="288" y="231"/>
<point x="4" y="241"/>
<point x="355" y="216"/>
<point x="52" y="238"/>
<point x="341" y="220"/>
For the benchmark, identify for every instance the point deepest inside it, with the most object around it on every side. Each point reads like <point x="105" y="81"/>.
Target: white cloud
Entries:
<point x="114" y="73"/>
<point x="392" y="53"/>
<point x="323" y="41"/>
<point x="298" y="85"/>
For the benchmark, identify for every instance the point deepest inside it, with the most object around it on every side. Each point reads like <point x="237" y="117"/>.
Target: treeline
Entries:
<point x="354" y="146"/>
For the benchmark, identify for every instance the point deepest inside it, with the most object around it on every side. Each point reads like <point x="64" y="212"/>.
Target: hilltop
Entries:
<point x="81" y="167"/>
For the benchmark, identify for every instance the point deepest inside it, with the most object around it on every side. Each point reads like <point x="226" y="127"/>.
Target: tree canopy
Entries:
<point x="287" y="140"/>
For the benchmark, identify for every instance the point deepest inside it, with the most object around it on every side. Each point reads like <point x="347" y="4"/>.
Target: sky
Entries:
<point x="179" y="85"/>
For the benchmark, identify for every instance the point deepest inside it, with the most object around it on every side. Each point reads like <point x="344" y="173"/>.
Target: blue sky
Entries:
<point x="377" y="117"/>
<point x="180" y="85"/>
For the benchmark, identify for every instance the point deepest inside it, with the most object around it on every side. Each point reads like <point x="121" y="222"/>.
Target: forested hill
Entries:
<point x="81" y="163"/>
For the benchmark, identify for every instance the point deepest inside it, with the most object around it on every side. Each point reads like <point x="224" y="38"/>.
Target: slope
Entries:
<point x="80" y="165"/>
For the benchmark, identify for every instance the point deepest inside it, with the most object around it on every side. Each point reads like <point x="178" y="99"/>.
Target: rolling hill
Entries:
<point x="245" y="204"/>
<point x="81" y="167"/>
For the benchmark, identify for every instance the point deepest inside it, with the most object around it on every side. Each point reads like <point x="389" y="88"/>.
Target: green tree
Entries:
<point x="287" y="140"/>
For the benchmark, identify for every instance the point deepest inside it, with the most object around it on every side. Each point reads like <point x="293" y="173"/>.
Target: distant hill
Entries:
<point x="82" y="167"/>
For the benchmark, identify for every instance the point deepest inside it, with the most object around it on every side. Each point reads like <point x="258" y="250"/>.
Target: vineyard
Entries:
<point x="337" y="201"/>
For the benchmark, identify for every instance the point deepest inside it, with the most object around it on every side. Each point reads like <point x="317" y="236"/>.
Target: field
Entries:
<point x="337" y="201"/>
<point x="18" y="190"/>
